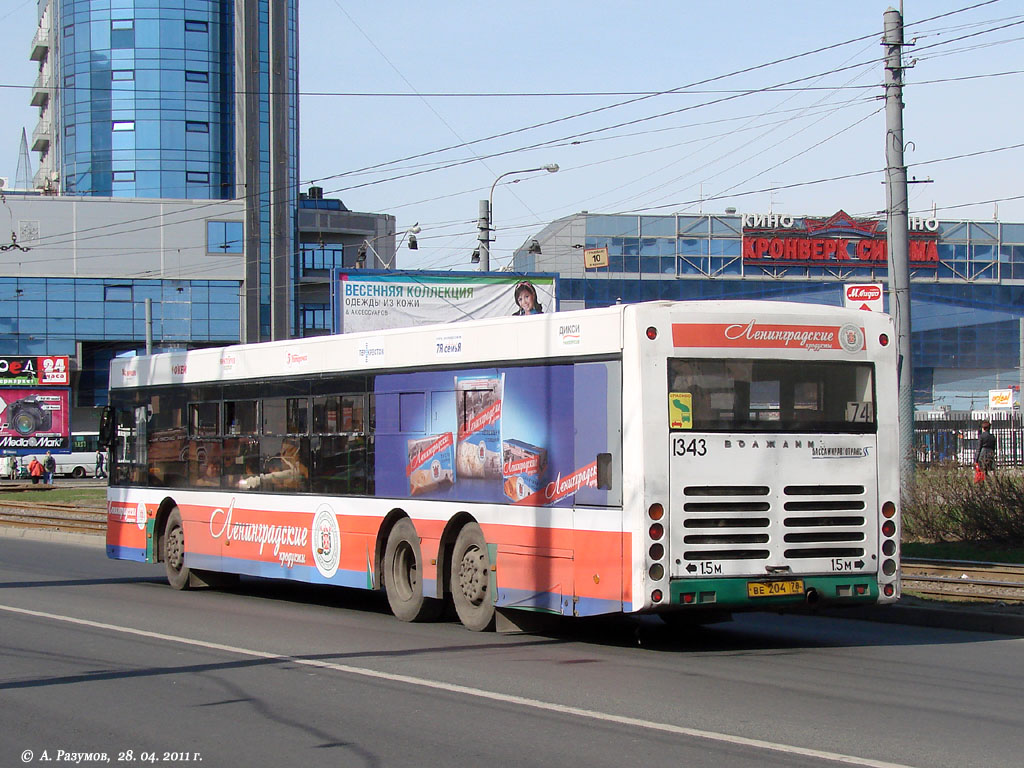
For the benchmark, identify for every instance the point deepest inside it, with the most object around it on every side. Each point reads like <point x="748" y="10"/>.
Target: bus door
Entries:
<point x="599" y="551"/>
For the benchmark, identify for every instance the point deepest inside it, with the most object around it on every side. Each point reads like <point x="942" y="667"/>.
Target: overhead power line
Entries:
<point x="600" y="130"/>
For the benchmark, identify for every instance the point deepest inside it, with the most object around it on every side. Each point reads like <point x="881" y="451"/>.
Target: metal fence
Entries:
<point x="954" y="437"/>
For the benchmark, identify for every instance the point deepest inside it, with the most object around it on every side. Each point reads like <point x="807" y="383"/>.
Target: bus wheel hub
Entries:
<point x="472" y="578"/>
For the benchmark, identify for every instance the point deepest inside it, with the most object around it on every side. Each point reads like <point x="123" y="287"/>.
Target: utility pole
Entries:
<point x="897" y="227"/>
<point x="484" y="237"/>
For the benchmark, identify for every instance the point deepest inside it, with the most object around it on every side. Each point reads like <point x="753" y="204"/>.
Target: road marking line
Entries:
<point x="504" y="698"/>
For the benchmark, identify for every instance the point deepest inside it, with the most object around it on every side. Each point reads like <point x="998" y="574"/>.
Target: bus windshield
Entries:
<point x="778" y="396"/>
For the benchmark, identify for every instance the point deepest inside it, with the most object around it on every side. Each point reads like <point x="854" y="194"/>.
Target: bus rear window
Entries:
<point x="771" y="396"/>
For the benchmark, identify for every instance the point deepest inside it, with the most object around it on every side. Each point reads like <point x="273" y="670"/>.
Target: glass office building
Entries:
<point x="967" y="278"/>
<point x="179" y="99"/>
<point x="146" y="99"/>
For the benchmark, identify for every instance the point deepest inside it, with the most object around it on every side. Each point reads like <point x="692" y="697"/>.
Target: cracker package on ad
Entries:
<point x="523" y="468"/>
<point x="478" y="407"/>
<point x="431" y="466"/>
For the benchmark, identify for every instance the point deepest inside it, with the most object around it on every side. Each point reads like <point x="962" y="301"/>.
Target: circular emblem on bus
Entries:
<point x="851" y="338"/>
<point x="326" y="541"/>
<point x="140" y="515"/>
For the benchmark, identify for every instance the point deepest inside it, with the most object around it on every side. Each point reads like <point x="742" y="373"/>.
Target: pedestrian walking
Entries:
<point x="11" y="467"/>
<point x="100" y="462"/>
<point x="49" y="467"/>
<point x="985" y="459"/>
<point x="35" y="470"/>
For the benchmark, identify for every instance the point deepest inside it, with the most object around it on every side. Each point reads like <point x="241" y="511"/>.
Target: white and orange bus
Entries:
<point x="686" y="459"/>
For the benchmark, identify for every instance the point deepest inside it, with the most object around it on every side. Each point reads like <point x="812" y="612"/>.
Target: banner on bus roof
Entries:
<point x="754" y="335"/>
<point x="34" y="371"/>
<point x="364" y="300"/>
<point x="35" y="421"/>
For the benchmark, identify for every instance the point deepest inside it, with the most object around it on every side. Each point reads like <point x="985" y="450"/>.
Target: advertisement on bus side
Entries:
<point x="34" y="420"/>
<point x="527" y="436"/>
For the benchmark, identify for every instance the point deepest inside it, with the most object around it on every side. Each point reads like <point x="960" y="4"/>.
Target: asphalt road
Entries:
<point x="102" y="657"/>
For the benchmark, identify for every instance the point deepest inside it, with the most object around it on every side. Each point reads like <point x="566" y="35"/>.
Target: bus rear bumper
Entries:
<point x="755" y="594"/>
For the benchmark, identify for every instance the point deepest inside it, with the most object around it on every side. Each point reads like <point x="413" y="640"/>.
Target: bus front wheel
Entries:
<point x="470" y="579"/>
<point x="78" y="473"/>
<point x="174" y="551"/>
<point x="403" y="575"/>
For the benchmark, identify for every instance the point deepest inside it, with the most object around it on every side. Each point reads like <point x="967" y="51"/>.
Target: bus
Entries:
<point x="686" y="459"/>
<point x="81" y="462"/>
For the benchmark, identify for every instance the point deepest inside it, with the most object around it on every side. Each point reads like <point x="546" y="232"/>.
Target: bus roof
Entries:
<point x="472" y="343"/>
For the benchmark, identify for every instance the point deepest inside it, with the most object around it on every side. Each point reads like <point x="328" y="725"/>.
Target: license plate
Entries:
<point x="774" y="588"/>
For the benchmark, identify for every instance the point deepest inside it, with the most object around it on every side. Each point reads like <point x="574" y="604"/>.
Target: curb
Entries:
<point x="61" y="537"/>
<point x="968" y="619"/>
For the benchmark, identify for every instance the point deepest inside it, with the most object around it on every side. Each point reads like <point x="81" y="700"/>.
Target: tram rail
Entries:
<point x="963" y="580"/>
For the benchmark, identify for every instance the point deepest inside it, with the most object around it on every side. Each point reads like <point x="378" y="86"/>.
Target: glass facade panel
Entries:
<point x="1013" y="233"/>
<point x="224" y="236"/>
<point x="983" y="233"/>
<point x="730" y="225"/>
<point x="168" y="45"/>
<point x="693" y="225"/>
<point x="658" y="226"/>
<point x="613" y="226"/>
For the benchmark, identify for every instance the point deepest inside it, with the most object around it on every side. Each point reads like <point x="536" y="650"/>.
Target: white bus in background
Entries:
<point x="81" y="462"/>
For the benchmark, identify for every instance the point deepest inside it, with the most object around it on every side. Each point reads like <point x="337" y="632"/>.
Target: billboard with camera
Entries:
<point x="35" y="420"/>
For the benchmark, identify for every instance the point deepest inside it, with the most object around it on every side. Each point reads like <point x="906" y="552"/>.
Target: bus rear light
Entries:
<point x="883" y="339"/>
<point x="888" y="590"/>
<point x="888" y="509"/>
<point x="656" y="511"/>
<point x="657" y="572"/>
<point x="652" y="333"/>
<point x="656" y="596"/>
<point x="888" y="547"/>
<point x="861" y="588"/>
<point x="688" y="597"/>
<point x="656" y="531"/>
<point x="657" y="551"/>
<point x="888" y="528"/>
<point x="888" y="567"/>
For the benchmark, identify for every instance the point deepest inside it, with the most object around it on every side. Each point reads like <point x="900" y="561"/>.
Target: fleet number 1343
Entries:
<point x="694" y="446"/>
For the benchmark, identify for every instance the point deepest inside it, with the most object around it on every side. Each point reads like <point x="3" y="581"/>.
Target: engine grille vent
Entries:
<point x="723" y="522"/>
<point x="824" y="521"/>
<point x="719" y="521"/>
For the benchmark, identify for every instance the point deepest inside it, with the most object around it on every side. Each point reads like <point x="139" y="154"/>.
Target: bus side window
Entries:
<point x="241" y="445"/>
<point x="284" y="445"/>
<point x="204" y="454"/>
<point x="338" y="454"/>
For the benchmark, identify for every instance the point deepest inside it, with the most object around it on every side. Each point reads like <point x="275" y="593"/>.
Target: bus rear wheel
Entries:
<point x="470" y="579"/>
<point x="403" y="576"/>
<point x="173" y="550"/>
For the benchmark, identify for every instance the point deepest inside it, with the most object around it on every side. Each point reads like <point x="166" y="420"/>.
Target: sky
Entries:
<point x="416" y="108"/>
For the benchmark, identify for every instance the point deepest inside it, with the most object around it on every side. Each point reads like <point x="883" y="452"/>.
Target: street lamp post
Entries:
<point x="414" y="230"/>
<point x="486" y="220"/>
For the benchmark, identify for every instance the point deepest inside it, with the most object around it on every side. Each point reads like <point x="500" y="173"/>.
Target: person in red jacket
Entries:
<point x="35" y="470"/>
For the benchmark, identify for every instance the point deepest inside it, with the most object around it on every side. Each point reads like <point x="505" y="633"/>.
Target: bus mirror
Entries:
<point x="604" y="471"/>
<point x="107" y="423"/>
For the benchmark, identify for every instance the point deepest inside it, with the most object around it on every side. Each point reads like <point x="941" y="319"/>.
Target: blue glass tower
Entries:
<point x="145" y="104"/>
<point x="194" y="99"/>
